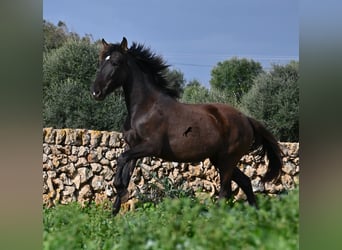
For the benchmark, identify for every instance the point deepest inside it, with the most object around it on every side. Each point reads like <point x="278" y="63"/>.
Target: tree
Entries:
<point x="234" y="76"/>
<point x="69" y="105"/>
<point x="194" y="92"/>
<point x="74" y="60"/>
<point x="274" y="100"/>
<point x="175" y="79"/>
<point x="55" y="36"/>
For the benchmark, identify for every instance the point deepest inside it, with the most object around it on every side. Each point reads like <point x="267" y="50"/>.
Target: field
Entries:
<point x="182" y="223"/>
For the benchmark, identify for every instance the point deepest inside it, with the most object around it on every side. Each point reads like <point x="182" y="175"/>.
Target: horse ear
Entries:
<point x="104" y="43"/>
<point x="123" y="44"/>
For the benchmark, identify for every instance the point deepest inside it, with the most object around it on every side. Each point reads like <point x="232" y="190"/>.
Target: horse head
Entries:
<point x="112" y="71"/>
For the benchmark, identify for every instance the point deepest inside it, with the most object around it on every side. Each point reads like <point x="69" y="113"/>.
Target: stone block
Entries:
<point x="49" y="135"/>
<point x="60" y="136"/>
<point x="95" y="138"/>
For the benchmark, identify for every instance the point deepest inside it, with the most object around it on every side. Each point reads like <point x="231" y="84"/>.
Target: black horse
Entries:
<point x="158" y="125"/>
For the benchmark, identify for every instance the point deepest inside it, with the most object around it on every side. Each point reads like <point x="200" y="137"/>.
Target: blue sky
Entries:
<point x="191" y="35"/>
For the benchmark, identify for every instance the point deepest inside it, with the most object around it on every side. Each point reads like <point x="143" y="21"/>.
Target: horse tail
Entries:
<point x="265" y="143"/>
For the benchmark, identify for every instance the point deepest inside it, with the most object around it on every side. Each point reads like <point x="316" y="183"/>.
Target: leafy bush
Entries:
<point x="56" y="35"/>
<point x="176" y="224"/>
<point x="176" y="79"/>
<point x="164" y="188"/>
<point x="194" y="92"/>
<point x="68" y="105"/>
<point x="74" y="61"/>
<point x="234" y="76"/>
<point x="274" y="100"/>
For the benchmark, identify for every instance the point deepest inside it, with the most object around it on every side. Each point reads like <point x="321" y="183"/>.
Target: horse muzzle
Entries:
<point x="97" y="95"/>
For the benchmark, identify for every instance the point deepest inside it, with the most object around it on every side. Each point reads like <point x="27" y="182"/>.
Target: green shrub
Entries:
<point x="176" y="224"/>
<point x="234" y="76"/>
<point x="163" y="188"/>
<point x="69" y="105"/>
<point x="274" y="100"/>
<point x="75" y="60"/>
<point x="194" y="92"/>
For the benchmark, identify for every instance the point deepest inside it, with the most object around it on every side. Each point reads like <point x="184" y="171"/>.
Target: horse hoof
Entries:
<point x="115" y="211"/>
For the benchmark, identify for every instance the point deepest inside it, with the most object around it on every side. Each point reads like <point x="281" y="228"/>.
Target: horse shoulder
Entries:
<point x="131" y="137"/>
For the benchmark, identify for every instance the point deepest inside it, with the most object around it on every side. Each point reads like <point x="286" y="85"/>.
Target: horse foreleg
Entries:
<point x="226" y="166"/>
<point x="128" y="171"/>
<point x="116" y="205"/>
<point x="141" y="150"/>
<point x="120" y="189"/>
<point x="121" y="181"/>
<point x="226" y="173"/>
<point x="125" y="167"/>
<point x="126" y="164"/>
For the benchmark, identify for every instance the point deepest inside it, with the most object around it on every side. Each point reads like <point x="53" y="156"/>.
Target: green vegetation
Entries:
<point x="235" y="76"/>
<point x="74" y="60"/>
<point x="274" y="100"/>
<point x="194" y="92"/>
<point x="183" y="223"/>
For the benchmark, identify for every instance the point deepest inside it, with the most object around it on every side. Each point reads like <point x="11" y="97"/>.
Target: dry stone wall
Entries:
<point x="79" y="165"/>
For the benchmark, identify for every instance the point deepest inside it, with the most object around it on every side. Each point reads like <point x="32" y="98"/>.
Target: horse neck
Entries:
<point x="140" y="94"/>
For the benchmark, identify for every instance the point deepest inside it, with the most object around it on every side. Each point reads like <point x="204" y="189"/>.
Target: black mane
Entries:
<point x="154" y="64"/>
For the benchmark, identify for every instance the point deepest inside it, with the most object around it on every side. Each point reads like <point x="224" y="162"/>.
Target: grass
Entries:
<point x="180" y="223"/>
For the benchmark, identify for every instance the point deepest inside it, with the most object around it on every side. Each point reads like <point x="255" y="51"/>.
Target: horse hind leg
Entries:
<point x="229" y="171"/>
<point x="245" y="184"/>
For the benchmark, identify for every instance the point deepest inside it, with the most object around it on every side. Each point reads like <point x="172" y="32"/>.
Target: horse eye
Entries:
<point x="107" y="58"/>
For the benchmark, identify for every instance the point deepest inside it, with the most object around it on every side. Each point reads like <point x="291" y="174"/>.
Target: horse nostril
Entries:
<point x="96" y="93"/>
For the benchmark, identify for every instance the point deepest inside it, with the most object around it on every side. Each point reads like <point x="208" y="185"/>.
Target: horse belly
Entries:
<point x="188" y="149"/>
